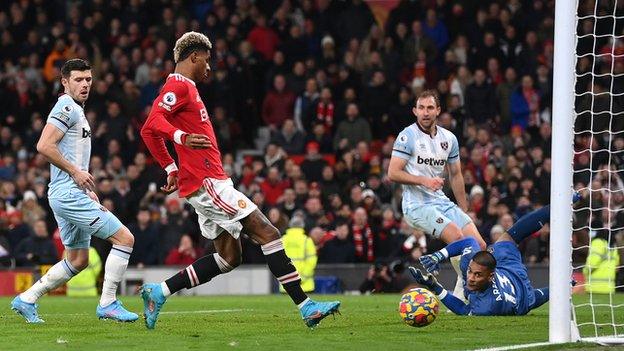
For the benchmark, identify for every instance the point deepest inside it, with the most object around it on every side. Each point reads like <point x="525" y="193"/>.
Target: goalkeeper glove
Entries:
<point x="431" y="262"/>
<point x="428" y="281"/>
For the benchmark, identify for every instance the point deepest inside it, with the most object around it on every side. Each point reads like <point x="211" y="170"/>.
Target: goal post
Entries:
<point x="587" y="153"/>
<point x="560" y="321"/>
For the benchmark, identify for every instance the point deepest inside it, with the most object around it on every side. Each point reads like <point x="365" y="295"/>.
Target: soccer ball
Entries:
<point x="418" y="307"/>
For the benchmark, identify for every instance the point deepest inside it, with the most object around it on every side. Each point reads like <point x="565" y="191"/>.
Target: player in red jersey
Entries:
<point x="178" y="114"/>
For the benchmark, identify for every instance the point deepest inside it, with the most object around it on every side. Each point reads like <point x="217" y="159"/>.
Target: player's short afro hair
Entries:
<point x="189" y="42"/>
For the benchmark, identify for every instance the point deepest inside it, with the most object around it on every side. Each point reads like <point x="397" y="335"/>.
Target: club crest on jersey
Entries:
<point x="444" y="145"/>
<point x="170" y="98"/>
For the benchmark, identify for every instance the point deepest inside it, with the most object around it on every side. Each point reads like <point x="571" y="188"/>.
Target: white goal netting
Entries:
<point x="598" y="222"/>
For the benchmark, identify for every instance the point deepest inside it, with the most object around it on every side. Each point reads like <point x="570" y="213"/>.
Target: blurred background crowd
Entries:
<point x="305" y="98"/>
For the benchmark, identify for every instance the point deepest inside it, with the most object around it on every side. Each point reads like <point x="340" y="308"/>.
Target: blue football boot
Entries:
<point x="153" y="300"/>
<point x="26" y="310"/>
<point x="313" y="312"/>
<point x="117" y="312"/>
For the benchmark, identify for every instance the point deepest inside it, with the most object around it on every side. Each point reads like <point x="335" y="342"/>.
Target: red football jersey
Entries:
<point x="179" y="110"/>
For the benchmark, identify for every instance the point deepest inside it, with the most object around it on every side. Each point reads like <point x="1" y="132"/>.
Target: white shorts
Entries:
<point x="220" y="207"/>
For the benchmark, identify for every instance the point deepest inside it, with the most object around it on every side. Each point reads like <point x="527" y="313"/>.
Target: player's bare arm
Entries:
<point x="397" y="173"/>
<point x="457" y="185"/>
<point x="48" y="147"/>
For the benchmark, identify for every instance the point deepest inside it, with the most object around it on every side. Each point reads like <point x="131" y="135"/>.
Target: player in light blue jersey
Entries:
<point x="497" y="282"/>
<point x="421" y="154"/>
<point x="66" y="143"/>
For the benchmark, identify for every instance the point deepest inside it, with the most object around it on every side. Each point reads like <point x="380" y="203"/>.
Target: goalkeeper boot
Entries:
<point x="313" y="312"/>
<point x="26" y="310"/>
<point x="153" y="300"/>
<point x="116" y="311"/>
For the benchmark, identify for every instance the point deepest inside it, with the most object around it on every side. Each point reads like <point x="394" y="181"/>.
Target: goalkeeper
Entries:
<point x="496" y="280"/>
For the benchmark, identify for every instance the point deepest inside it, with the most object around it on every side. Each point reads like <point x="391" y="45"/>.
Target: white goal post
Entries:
<point x="559" y="320"/>
<point x="595" y="92"/>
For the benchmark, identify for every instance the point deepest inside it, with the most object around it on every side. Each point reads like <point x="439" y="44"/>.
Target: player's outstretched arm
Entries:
<point x="432" y="262"/>
<point x="48" y="147"/>
<point x="449" y="300"/>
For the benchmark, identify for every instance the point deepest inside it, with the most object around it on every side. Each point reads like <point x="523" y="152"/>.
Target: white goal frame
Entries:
<point x="562" y="325"/>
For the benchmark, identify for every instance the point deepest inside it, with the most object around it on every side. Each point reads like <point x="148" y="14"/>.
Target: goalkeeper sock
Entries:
<point x="529" y="224"/>
<point x="114" y="269"/>
<point x="200" y="272"/>
<point x="284" y="270"/>
<point x="459" y="285"/>
<point x="56" y="276"/>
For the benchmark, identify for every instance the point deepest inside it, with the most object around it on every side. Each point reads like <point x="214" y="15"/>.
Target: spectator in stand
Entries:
<point x="313" y="164"/>
<point x="185" y="254"/>
<point x="525" y="105"/>
<point x="273" y="187"/>
<point x="37" y="249"/>
<point x="363" y="236"/>
<point x="175" y="223"/>
<point x="145" y="251"/>
<point x="17" y="230"/>
<point x="480" y="99"/>
<point x="304" y="105"/>
<point x="289" y="138"/>
<point x="278" y="104"/>
<point x="352" y="130"/>
<point x="31" y="210"/>
<point x="322" y="137"/>
<point x="263" y="39"/>
<point x="340" y="249"/>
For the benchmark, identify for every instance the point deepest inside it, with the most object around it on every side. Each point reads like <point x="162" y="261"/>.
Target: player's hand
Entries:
<point x="431" y="263"/>
<point x="93" y="196"/>
<point x="434" y="184"/>
<point x="197" y="141"/>
<point x="84" y="180"/>
<point x="172" y="183"/>
<point x="428" y="281"/>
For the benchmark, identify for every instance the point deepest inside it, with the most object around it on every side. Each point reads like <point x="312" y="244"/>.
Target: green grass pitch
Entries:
<point x="269" y="323"/>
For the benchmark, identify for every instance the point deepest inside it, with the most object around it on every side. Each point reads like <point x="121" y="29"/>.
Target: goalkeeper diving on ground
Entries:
<point x="496" y="282"/>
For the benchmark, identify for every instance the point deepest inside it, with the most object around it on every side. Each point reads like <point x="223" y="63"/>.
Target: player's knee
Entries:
<point x="124" y="237"/>
<point x="233" y="259"/>
<point x="80" y="262"/>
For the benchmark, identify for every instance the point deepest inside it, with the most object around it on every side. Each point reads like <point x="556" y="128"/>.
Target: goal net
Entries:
<point x="597" y="171"/>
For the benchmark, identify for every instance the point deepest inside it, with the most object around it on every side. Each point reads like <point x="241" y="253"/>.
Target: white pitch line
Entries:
<point x="516" y="347"/>
<point x="165" y="312"/>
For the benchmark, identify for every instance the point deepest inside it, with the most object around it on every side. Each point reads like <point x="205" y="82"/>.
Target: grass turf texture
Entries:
<point x="270" y="323"/>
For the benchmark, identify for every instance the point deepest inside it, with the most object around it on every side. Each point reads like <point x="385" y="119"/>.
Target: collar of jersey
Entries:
<point x="425" y="132"/>
<point x="179" y="76"/>
<point x="76" y="101"/>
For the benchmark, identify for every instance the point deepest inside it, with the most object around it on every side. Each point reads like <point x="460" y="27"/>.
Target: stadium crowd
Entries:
<point x="333" y="88"/>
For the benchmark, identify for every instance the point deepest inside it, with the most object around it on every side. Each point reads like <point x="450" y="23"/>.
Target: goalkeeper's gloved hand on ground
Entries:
<point x="431" y="262"/>
<point x="428" y="281"/>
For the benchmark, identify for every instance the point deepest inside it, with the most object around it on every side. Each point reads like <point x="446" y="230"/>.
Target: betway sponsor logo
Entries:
<point x="430" y="161"/>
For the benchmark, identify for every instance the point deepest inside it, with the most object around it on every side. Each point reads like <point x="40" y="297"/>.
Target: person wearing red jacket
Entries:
<point x="185" y="254"/>
<point x="178" y="114"/>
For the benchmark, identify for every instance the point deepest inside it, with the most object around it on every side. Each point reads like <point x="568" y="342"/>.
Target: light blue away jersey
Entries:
<point x="426" y="156"/>
<point x="75" y="146"/>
